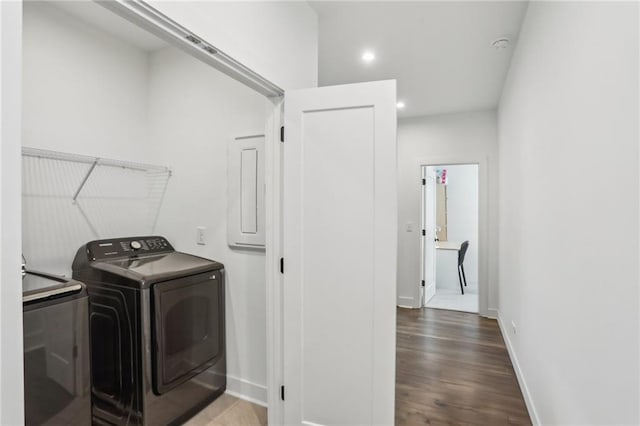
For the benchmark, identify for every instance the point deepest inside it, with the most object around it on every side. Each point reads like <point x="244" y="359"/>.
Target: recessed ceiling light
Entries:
<point x="368" y="56"/>
<point x="400" y="105"/>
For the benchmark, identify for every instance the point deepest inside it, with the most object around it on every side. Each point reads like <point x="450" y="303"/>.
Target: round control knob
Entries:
<point x="136" y="245"/>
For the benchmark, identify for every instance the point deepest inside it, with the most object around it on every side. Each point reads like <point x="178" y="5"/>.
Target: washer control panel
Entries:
<point x="125" y="247"/>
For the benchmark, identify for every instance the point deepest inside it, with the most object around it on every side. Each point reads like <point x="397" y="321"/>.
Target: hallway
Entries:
<point x="453" y="368"/>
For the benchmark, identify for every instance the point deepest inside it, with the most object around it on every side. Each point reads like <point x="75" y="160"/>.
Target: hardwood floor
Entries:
<point x="228" y="410"/>
<point x="452" y="368"/>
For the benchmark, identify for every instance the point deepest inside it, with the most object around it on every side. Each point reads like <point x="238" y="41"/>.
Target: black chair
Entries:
<point x="461" y="253"/>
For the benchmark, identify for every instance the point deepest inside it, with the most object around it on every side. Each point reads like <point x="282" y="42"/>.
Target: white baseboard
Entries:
<point x="247" y="390"/>
<point x="519" y="375"/>
<point x="492" y="313"/>
<point x="406" y="302"/>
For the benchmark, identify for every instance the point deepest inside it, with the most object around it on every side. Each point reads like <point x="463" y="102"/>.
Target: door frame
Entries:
<point x="273" y="254"/>
<point x="11" y="332"/>
<point x="423" y="240"/>
<point x="482" y="162"/>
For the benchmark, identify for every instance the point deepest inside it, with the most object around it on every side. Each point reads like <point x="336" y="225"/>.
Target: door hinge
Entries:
<point x="424" y="181"/>
<point x="282" y="392"/>
<point x="422" y="283"/>
<point x="282" y="265"/>
<point x="424" y="232"/>
<point x="281" y="133"/>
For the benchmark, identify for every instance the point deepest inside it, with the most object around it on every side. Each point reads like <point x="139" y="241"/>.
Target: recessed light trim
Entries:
<point x="368" y="56"/>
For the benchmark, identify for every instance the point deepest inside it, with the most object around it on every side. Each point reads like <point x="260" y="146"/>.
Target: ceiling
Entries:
<point x="439" y="52"/>
<point x="103" y="19"/>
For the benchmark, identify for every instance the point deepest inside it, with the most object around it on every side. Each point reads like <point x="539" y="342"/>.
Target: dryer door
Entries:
<point x="188" y="328"/>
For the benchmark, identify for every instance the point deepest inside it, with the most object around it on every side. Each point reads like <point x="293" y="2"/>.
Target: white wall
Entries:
<point x="278" y="40"/>
<point x="443" y="138"/>
<point x="194" y="111"/>
<point x="568" y="127"/>
<point x="462" y="213"/>
<point x="462" y="224"/>
<point x="84" y="92"/>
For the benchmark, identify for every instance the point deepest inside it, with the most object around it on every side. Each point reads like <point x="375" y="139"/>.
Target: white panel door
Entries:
<point x="429" y="234"/>
<point x="340" y="239"/>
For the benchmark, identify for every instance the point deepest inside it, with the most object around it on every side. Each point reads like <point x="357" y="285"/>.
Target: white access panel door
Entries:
<point x="245" y="192"/>
<point x="340" y="239"/>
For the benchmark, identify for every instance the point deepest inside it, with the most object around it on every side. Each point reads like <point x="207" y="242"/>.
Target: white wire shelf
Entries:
<point x="99" y="188"/>
<point x="78" y="158"/>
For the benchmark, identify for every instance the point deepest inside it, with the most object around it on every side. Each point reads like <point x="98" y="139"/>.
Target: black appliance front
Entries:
<point x="56" y="351"/>
<point x="115" y="354"/>
<point x="187" y="333"/>
<point x="157" y="339"/>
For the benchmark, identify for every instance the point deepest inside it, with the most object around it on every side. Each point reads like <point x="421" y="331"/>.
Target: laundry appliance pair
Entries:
<point x="156" y="330"/>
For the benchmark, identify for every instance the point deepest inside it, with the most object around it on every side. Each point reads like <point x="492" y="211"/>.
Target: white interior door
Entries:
<point x="429" y="234"/>
<point x="340" y="238"/>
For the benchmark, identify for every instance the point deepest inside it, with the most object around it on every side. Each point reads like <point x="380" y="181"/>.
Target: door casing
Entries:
<point x="483" y="222"/>
<point x="428" y="284"/>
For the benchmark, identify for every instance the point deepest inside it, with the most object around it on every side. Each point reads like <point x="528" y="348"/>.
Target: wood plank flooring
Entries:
<point x="228" y="410"/>
<point x="452" y="368"/>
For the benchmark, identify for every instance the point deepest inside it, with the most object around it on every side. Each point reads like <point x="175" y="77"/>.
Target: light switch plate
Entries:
<point x="200" y="235"/>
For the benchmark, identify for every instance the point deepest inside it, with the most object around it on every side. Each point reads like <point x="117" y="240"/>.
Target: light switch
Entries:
<point x="200" y="235"/>
<point x="409" y="227"/>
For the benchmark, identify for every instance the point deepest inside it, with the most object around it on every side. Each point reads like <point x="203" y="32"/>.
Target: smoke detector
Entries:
<point x="500" y="43"/>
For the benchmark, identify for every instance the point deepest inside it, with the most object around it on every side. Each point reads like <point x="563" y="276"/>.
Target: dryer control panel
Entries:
<point x="126" y="247"/>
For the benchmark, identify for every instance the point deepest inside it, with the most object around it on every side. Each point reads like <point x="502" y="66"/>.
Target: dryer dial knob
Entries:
<point x="136" y="245"/>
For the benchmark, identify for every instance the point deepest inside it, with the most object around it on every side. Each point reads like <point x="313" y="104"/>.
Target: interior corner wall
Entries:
<point x="442" y="137"/>
<point x="194" y="111"/>
<point x="278" y="40"/>
<point x="568" y="138"/>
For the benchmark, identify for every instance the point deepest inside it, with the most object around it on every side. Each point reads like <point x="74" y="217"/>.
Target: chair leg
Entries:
<point x="463" y="275"/>
<point x="460" y="278"/>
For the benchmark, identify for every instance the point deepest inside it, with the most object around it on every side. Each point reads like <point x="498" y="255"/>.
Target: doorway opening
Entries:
<point x="450" y="237"/>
